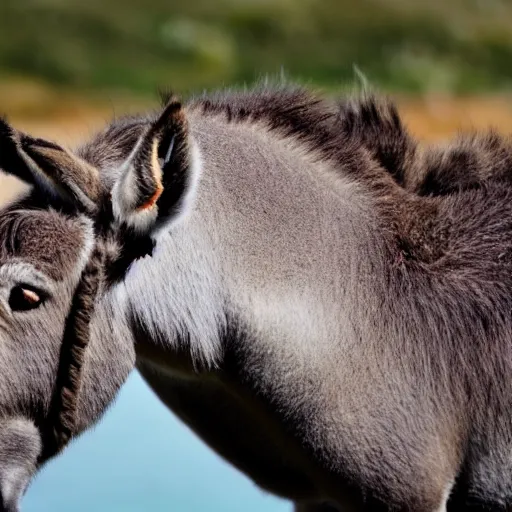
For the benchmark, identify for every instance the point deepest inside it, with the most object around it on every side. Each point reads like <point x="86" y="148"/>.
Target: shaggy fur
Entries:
<point x="471" y="161"/>
<point x="330" y="312"/>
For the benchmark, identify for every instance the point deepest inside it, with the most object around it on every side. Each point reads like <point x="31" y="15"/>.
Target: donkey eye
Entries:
<point x="25" y="298"/>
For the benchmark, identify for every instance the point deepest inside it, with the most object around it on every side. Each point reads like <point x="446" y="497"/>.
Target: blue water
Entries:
<point x="141" y="458"/>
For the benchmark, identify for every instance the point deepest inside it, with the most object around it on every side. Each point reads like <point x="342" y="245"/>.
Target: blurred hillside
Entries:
<point x="67" y="66"/>
<point x="456" y="46"/>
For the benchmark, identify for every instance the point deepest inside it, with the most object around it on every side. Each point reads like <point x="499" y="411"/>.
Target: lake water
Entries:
<point x="141" y="458"/>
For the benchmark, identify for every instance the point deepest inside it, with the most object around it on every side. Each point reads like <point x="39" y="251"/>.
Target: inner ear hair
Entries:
<point x="176" y="151"/>
<point x="167" y="142"/>
<point x="156" y="176"/>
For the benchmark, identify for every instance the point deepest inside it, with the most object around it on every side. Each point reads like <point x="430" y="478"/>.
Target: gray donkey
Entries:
<point x="293" y="278"/>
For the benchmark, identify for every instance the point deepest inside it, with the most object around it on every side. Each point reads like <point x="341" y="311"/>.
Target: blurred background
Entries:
<point x="67" y="66"/>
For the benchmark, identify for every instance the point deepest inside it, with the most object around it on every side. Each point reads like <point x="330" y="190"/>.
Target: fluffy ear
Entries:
<point x="52" y="169"/>
<point x="158" y="179"/>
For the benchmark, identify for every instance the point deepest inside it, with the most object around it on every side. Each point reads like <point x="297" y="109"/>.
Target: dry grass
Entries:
<point x="68" y="118"/>
<point x="64" y="116"/>
<point x="441" y="117"/>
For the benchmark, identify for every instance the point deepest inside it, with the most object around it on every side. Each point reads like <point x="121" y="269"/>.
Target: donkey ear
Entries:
<point x="50" y="168"/>
<point x="158" y="179"/>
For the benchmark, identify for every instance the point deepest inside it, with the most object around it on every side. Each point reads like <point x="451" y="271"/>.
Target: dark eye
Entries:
<point x="25" y="298"/>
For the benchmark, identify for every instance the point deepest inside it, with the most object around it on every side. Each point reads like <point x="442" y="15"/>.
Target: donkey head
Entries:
<point x="63" y="251"/>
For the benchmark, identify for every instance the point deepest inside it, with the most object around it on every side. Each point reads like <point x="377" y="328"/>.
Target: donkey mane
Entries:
<point x="362" y="138"/>
<point x="293" y="111"/>
<point x="335" y="129"/>
<point x="349" y="133"/>
<point x="472" y="161"/>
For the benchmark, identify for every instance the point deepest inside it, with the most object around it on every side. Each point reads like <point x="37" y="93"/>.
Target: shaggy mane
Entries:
<point x="294" y="111"/>
<point x="364" y="139"/>
<point x="341" y="134"/>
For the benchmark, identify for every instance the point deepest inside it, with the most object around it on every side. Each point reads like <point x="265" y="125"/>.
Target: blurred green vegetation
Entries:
<point x="456" y="46"/>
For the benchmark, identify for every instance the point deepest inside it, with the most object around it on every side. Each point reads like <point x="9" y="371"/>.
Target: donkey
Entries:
<point x="270" y="263"/>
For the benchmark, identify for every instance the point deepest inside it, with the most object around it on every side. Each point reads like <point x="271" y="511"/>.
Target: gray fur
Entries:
<point x="323" y="317"/>
<point x="20" y="446"/>
<point x="47" y="250"/>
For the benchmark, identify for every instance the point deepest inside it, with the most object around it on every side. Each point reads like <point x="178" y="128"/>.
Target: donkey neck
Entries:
<point x="173" y="299"/>
<point x="269" y="224"/>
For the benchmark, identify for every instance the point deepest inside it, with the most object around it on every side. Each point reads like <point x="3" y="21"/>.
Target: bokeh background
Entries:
<point x="67" y="66"/>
